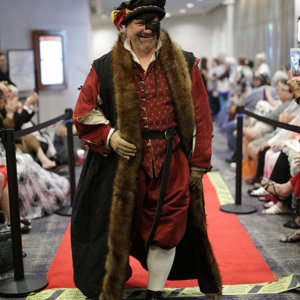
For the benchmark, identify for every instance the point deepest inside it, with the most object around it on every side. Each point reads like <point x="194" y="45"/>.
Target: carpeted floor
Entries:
<point x="284" y="259"/>
<point x="233" y="248"/>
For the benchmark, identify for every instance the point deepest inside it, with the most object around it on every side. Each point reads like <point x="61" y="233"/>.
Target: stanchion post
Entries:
<point x="20" y="285"/>
<point x="67" y="211"/>
<point x="237" y="207"/>
<point x="239" y="157"/>
<point x="13" y="193"/>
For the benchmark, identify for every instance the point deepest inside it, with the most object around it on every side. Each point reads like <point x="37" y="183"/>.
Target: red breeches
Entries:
<point x="176" y="201"/>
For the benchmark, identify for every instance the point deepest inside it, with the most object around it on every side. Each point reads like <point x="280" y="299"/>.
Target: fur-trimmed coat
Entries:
<point x="104" y="203"/>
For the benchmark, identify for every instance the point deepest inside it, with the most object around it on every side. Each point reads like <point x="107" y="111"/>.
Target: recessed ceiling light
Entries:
<point x="190" y="5"/>
<point x="182" y="10"/>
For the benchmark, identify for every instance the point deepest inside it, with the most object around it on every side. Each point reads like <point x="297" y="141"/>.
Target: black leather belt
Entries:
<point x="160" y="135"/>
<point x="169" y="135"/>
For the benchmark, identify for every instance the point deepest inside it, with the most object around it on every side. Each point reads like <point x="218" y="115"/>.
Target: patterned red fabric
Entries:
<point x="295" y="181"/>
<point x="157" y="114"/>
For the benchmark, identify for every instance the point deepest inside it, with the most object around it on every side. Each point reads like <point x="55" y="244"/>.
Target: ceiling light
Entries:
<point x="190" y="5"/>
<point x="182" y="10"/>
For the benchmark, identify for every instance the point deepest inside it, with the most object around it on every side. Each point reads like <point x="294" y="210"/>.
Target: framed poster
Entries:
<point x="49" y="51"/>
<point x="21" y="69"/>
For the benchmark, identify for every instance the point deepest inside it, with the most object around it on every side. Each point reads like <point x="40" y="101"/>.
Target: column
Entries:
<point x="230" y="26"/>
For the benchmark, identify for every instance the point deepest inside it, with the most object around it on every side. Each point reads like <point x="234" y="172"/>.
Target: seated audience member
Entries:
<point x="4" y="201"/>
<point x="12" y="118"/>
<point x="288" y="143"/>
<point x="286" y="116"/>
<point x="249" y="102"/>
<point x="269" y="108"/>
<point x="41" y="192"/>
<point x="269" y="151"/>
<point x="283" y="191"/>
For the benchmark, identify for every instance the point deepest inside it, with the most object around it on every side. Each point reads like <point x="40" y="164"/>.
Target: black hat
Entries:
<point x="129" y="10"/>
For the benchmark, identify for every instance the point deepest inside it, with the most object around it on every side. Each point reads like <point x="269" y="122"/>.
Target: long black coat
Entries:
<point x="104" y="204"/>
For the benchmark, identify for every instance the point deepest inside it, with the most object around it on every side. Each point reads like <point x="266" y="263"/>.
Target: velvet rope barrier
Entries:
<point x="238" y="207"/>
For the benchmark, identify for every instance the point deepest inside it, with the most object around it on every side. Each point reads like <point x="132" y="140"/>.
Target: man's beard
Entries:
<point x="145" y="46"/>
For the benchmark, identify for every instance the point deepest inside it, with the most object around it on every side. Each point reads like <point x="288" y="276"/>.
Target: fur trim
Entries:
<point x="125" y="183"/>
<point x="179" y="79"/>
<point x="199" y="221"/>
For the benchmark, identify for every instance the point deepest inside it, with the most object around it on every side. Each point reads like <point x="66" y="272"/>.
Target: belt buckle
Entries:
<point x="170" y="133"/>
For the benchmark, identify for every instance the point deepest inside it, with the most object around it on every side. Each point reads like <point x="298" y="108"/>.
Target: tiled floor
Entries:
<point x="284" y="259"/>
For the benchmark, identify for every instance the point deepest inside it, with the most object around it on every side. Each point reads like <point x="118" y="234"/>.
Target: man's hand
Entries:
<point x="195" y="178"/>
<point x="121" y="146"/>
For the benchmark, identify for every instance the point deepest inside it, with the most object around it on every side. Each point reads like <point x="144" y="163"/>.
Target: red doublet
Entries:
<point x="157" y="114"/>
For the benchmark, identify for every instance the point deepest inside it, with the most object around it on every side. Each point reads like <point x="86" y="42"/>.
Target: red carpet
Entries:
<point x="238" y="258"/>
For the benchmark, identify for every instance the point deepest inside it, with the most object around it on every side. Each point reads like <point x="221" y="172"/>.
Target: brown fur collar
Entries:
<point x="125" y="184"/>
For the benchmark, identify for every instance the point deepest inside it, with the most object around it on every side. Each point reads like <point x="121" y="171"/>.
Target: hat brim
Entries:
<point x="144" y="10"/>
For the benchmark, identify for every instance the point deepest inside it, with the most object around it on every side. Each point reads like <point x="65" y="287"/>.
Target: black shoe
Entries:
<point x="231" y="159"/>
<point x="151" y="295"/>
<point x="291" y="224"/>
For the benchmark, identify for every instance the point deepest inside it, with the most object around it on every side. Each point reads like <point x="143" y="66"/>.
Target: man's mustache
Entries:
<point x="146" y="35"/>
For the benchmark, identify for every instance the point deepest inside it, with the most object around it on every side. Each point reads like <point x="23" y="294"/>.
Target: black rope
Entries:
<point x="271" y="122"/>
<point x="38" y="127"/>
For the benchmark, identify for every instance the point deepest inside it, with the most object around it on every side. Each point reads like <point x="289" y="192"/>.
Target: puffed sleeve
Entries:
<point x="202" y="144"/>
<point x="89" y="117"/>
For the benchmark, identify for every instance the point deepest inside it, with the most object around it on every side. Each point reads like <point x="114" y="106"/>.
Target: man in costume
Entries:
<point x="144" y="114"/>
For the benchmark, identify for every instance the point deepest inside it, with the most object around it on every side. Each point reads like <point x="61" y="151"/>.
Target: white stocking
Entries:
<point x="159" y="262"/>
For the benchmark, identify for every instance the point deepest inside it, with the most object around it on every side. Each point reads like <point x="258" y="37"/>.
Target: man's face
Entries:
<point x="142" y="33"/>
<point x="284" y="92"/>
<point x="3" y="63"/>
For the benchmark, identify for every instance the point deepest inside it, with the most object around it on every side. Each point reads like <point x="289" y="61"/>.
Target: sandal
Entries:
<point x="275" y="210"/>
<point x="291" y="238"/>
<point x="269" y="183"/>
<point x="259" y="192"/>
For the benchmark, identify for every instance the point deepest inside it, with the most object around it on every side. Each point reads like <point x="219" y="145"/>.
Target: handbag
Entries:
<point x="6" y="259"/>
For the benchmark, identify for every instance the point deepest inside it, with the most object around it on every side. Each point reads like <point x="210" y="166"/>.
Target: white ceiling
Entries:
<point x="102" y="8"/>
